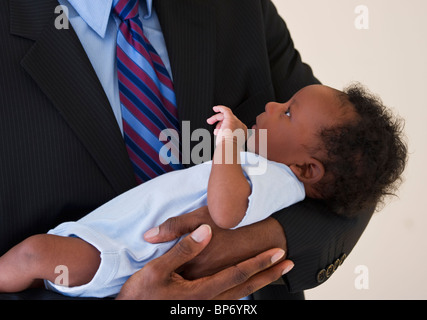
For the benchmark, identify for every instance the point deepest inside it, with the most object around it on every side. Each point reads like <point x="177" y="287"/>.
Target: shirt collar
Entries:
<point x="149" y="7"/>
<point x="96" y="13"/>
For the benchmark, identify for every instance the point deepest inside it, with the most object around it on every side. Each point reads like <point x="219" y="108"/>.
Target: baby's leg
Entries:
<point x="38" y="258"/>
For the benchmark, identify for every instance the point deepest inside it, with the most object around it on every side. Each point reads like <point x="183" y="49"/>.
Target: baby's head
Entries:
<point x="346" y="147"/>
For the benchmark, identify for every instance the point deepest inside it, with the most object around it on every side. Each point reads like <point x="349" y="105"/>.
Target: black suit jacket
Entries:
<point x="61" y="151"/>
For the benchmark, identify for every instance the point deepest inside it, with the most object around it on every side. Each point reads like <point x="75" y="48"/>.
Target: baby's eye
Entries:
<point x="288" y="112"/>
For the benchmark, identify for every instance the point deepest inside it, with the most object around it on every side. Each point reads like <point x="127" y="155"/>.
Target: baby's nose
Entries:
<point x="269" y="107"/>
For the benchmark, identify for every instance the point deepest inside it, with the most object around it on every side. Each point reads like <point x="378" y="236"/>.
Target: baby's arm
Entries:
<point x="228" y="189"/>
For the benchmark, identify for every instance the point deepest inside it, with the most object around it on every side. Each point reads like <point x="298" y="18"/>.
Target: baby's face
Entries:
<point x="293" y="127"/>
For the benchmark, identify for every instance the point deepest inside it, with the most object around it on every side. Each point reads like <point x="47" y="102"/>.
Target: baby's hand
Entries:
<point x="228" y="125"/>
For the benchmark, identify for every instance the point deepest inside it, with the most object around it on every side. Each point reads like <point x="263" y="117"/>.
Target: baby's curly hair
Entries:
<point x="365" y="158"/>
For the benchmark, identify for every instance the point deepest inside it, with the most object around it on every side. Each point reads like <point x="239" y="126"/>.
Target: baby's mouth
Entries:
<point x="255" y="126"/>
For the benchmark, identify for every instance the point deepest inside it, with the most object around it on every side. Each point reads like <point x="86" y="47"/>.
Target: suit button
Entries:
<point x="342" y="258"/>
<point x="336" y="264"/>
<point x="321" y="276"/>
<point x="329" y="270"/>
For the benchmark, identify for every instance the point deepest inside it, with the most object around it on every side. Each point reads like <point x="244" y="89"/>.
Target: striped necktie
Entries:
<point x="147" y="98"/>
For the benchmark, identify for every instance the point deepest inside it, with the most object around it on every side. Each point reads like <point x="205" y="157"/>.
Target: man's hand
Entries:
<point x="227" y="248"/>
<point x="158" y="279"/>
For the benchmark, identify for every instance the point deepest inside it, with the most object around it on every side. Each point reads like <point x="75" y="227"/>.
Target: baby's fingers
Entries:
<point x="215" y="118"/>
<point x="224" y="110"/>
<point x="223" y="113"/>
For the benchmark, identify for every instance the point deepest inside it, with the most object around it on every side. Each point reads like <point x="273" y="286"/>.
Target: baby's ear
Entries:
<point x="310" y="172"/>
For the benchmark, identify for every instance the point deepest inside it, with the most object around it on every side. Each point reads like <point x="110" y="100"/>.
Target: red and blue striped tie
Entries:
<point x="147" y="98"/>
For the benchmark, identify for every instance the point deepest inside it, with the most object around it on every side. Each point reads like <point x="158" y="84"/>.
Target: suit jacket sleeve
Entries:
<point x="316" y="238"/>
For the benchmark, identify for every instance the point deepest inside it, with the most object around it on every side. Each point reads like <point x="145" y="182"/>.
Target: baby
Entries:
<point x="342" y="147"/>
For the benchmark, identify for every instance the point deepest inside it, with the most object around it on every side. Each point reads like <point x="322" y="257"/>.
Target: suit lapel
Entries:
<point x="189" y="30"/>
<point x="59" y="65"/>
<point x="74" y="88"/>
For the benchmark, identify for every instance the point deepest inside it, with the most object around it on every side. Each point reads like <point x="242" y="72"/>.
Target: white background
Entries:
<point x="390" y="58"/>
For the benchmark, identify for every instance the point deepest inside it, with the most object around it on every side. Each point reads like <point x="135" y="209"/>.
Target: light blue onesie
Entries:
<point x="116" y="229"/>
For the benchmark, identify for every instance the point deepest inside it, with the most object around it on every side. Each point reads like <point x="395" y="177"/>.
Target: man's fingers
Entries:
<point x="158" y="280"/>
<point x="176" y="227"/>
<point x="257" y="281"/>
<point x="186" y="249"/>
<point x="171" y="229"/>
<point x="248" y="276"/>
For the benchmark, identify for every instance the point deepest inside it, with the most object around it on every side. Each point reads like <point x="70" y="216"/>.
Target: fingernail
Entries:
<point x="287" y="269"/>
<point x="152" y="232"/>
<point x="201" y="233"/>
<point x="277" y="256"/>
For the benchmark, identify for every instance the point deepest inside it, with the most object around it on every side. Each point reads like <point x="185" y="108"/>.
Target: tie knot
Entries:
<point x="126" y="9"/>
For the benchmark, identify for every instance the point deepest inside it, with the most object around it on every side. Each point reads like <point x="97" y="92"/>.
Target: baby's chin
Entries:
<point x="250" y="142"/>
<point x="257" y="140"/>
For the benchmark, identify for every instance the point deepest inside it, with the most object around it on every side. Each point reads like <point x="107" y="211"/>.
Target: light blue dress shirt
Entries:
<point x="97" y="28"/>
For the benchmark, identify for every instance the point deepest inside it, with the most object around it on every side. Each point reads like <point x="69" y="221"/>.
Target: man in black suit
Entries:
<point x="62" y="153"/>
